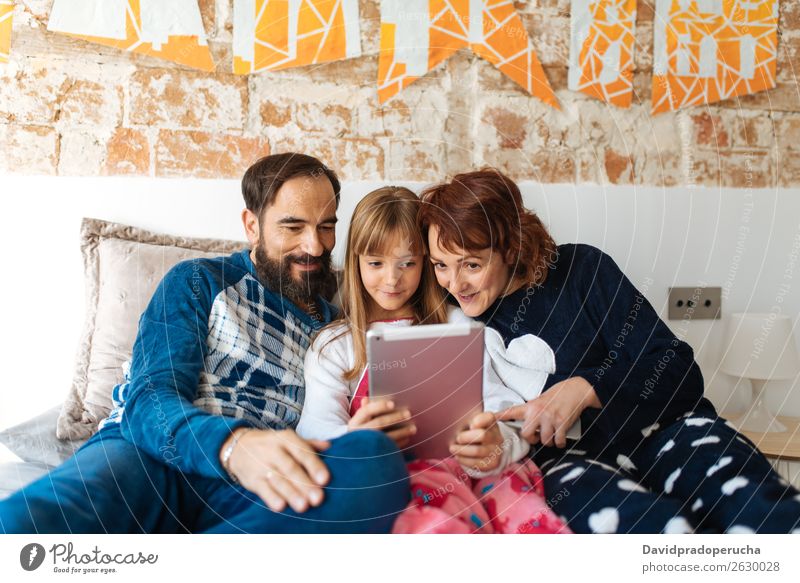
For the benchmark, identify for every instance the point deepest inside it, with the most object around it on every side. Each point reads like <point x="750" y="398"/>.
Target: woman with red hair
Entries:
<point x="651" y="453"/>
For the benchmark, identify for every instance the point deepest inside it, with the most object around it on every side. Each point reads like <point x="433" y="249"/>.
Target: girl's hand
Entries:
<point x="382" y="415"/>
<point x="548" y="417"/>
<point x="481" y="446"/>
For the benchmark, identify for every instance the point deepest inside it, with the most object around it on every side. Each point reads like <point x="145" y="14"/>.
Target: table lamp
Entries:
<point x="760" y="347"/>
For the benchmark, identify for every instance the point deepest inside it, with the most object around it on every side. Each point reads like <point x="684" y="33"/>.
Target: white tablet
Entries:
<point x="434" y="370"/>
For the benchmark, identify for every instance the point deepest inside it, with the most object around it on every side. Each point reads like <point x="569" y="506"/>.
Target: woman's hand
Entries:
<point x="382" y="415"/>
<point x="481" y="446"/>
<point x="547" y="418"/>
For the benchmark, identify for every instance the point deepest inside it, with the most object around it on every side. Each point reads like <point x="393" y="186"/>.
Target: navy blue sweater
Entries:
<point x="603" y="329"/>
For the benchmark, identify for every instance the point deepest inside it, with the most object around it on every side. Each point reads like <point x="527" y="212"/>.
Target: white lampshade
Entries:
<point x="760" y="346"/>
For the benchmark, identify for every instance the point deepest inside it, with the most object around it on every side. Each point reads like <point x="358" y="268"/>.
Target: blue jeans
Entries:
<point x="111" y="486"/>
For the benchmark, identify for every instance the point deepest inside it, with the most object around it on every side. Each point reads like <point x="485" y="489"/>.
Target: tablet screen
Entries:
<point x="436" y="371"/>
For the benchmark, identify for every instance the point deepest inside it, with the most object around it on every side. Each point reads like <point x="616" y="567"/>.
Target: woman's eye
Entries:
<point x="439" y="266"/>
<point x="473" y="266"/>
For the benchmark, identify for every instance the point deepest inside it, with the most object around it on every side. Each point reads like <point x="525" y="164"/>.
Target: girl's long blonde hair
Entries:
<point x="380" y="217"/>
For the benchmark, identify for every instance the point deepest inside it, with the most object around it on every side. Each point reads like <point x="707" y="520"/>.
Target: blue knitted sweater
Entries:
<point x="216" y="350"/>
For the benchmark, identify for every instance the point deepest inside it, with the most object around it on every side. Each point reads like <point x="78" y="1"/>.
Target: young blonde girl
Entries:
<point x="388" y="281"/>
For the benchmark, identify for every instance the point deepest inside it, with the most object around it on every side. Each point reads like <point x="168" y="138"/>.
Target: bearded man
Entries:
<point x="202" y="435"/>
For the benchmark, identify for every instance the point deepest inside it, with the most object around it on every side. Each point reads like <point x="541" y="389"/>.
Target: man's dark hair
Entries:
<point x="263" y="180"/>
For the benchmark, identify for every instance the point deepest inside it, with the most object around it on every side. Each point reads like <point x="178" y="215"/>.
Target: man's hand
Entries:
<point x="480" y="446"/>
<point x="381" y="415"/>
<point x="281" y="467"/>
<point x="548" y="417"/>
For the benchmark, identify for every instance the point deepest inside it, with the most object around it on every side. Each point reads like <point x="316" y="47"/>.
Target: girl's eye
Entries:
<point x="374" y="263"/>
<point x="473" y="266"/>
<point x="439" y="266"/>
<point x="408" y="264"/>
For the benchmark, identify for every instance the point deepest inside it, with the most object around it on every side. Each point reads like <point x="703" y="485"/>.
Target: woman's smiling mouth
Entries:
<point x="466" y="298"/>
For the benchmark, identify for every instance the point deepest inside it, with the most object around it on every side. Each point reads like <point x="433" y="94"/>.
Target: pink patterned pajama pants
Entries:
<point x="444" y="499"/>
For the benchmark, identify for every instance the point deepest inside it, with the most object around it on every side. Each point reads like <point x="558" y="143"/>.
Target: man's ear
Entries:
<point x="252" y="227"/>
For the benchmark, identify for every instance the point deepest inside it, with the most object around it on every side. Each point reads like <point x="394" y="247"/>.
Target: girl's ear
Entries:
<point x="251" y="226"/>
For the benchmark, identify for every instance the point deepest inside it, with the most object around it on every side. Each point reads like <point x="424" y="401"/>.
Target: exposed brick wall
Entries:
<point x="69" y="107"/>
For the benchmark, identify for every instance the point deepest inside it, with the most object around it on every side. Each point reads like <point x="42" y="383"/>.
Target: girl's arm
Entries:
<point x="502" y="445"/>
<point x="326" y="410"/>
<point x="497" y="397"/>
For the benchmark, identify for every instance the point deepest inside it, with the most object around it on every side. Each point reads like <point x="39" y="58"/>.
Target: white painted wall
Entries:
<point x="674" y="237"/>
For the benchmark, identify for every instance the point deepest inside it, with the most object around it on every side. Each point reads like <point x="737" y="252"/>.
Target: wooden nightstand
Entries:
<point x="781" y="449"/>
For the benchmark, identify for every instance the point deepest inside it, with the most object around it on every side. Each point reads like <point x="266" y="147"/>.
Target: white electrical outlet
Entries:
<point x="695" y="303"/>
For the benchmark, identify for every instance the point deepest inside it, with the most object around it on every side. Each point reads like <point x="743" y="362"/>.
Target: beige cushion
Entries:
<point x="35" y="440"/>
<point x="122" y="265"/>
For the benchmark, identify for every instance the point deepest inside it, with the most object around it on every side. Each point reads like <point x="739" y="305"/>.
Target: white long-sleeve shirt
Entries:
<point x="326" y="410"/>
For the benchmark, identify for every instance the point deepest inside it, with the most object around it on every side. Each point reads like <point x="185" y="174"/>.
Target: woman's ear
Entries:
<point x="515" y="270"/>
<point x="251" y="226"/>
<point x="510" y="261"/>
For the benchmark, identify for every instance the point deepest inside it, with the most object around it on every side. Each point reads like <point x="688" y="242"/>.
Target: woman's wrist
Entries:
<point x="590" y="398"/>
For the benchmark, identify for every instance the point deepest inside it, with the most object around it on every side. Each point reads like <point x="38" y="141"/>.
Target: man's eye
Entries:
<point x="293" y="228"/>
<point x="327" y="228"/>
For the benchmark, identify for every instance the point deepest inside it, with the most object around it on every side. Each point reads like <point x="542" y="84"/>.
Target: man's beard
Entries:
<point x="277" y="276"/>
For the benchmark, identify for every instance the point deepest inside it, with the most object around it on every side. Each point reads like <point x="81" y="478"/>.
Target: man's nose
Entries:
<point x="311" y="244"/>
